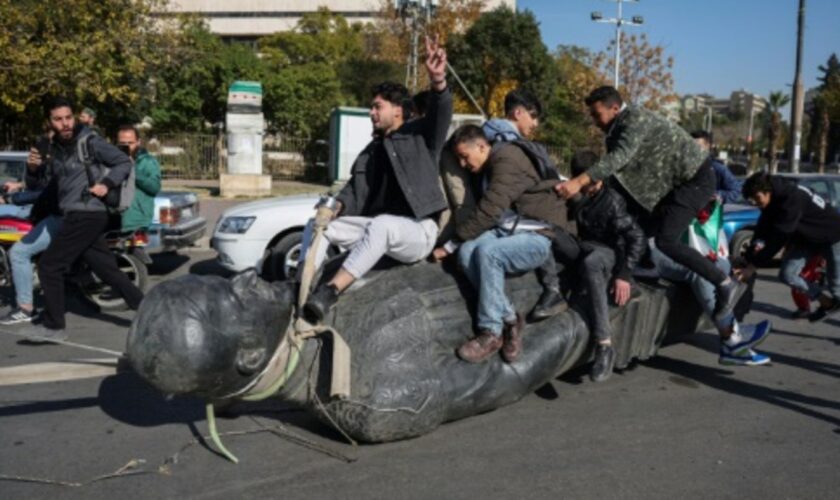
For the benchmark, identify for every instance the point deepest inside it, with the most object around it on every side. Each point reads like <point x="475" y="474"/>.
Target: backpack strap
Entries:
<point x="84" y="151"/>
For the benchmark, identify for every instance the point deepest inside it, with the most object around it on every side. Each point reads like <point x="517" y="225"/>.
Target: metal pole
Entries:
<point x="798" y="106"/>
<point x="618" y="43"/>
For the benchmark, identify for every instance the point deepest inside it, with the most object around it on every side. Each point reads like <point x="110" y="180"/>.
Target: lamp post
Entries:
<point x="414" y="13"/>
<point x="618" y="21"/>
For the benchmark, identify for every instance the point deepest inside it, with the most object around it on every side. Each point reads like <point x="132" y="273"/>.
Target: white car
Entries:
<point x="246" y="232"/>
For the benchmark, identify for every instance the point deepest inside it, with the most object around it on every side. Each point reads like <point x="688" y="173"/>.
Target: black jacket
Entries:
<point x="604" y="219"/>
<point x="414" y="150"/>
<point x="794" y="215"/>
<point x="71" y="177"/>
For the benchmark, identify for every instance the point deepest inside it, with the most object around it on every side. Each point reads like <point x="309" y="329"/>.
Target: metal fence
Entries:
<point x="201" y="156"/>
<point x="188" y="156"/>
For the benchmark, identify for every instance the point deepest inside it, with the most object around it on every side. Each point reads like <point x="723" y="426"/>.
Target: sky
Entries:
<point x="718" y="45"/>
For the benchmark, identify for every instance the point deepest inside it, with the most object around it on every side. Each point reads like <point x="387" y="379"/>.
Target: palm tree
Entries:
<point x="775" y="103"/>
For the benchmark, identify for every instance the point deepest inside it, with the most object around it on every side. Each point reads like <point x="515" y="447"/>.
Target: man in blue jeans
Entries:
<point x="508" y="231"/>
<point x="35" y="181"/>
<point x="794" y="218"/>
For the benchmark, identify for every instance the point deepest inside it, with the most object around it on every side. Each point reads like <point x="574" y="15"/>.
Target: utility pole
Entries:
<point x="416" y="14"/>
<point x="618" y="21"/>
<point x="798" y="106"/>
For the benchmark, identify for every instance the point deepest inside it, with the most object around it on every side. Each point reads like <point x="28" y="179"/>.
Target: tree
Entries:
<point x="825" y="123"/>
<point x="98" y="52"/>
<point x="501" y="51"/>
<point x="190" y="92"/>
<point x="775" y="137"/>
<point x="567" y="122"/>
<point x="645" y="72"/>
<point x="303" y="70"/>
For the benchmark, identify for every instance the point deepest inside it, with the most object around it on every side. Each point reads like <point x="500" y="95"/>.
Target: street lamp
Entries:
<point x="618" y="21"/>
<point x="414" y="13"/>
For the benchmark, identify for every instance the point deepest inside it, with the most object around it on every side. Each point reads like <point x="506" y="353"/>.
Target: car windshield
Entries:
<point x="11" y="169"/>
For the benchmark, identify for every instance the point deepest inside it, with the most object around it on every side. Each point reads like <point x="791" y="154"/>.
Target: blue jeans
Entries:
<point x="794" y="260"/>
<point x="22" y="252"/>
<point x="18" y="211"/>
<point x="487" y="259"/>
<point x="704" y="291"/>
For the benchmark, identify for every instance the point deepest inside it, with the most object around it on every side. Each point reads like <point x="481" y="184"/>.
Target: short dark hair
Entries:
<point x="758" y="182"/>
<point x="125" y="127"/>
<point x="395" y="93"/>
<point x="606" y="95"/>
<point x="55" y="103"/>
<point x="468" y="133"/>
<point x="521" y="97"/>
<point x="702" y="134"/>
<point x="582" y="161"/>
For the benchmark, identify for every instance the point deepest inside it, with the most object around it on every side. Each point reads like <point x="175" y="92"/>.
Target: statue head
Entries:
<point x="206" y="335"/>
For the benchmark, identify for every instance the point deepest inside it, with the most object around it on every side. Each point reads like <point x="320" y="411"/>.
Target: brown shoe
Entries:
<point x="481" y="347"/>
<point x="512" y="336"/>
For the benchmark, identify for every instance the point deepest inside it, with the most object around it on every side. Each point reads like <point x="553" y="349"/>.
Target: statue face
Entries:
<point x="208" y="336"/>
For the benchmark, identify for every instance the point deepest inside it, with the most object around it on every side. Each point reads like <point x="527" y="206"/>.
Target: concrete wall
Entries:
<point x="252" y="18"/>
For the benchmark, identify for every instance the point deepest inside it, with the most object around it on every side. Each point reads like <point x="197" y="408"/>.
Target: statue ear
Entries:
<point x="249" y="361"/>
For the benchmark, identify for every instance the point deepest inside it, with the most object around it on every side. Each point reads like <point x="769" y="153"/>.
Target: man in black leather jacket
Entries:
<point x="612" y="243"/>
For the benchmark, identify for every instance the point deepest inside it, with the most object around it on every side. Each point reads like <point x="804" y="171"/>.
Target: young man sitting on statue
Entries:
<point x="390" y="204"/>
<point x="508" y="231"/>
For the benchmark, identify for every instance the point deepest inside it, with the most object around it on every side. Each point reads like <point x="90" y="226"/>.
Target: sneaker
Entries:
<point x="604" y="363"/>
<point x="551" y="302"/>
<point x="751" y="336"/>
<point x="727" y="297"/>
<point x="743" y="357"/>
<point x="481" y="347"/>
<point x="16" y="316"/>
<point x="43" y="335"/>
<point x="824" y="312"/>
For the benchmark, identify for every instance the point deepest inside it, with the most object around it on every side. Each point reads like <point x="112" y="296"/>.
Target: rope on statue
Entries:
<point x="286" y="358"/>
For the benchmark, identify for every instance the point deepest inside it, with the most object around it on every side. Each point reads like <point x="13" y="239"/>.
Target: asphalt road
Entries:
<point x="678" y="426"/>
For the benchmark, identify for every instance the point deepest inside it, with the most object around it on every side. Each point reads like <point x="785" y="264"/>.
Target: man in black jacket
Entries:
<point x="391" y="202"/>
<point x="80" y="193"/>
<point x="795" y="218"/>
<point x="612" y="243"/>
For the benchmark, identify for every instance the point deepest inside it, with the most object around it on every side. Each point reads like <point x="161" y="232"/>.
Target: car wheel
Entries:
<point x="104" y="296"/>
<point x="740" y="243"/>
<point x="281" y="261"/>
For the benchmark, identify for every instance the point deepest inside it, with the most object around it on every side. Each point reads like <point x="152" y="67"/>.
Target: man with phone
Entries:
<point x="81" y="187"/>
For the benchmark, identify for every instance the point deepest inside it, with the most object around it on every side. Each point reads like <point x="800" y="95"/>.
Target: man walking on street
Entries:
<point x="82" y="185"/>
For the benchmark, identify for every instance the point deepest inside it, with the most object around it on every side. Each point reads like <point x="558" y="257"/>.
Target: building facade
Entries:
<point x="251" y="19"/>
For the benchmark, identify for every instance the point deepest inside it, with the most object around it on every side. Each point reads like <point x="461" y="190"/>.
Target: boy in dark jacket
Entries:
<point x="794" y="217"/>
<point x="612" y="243"/>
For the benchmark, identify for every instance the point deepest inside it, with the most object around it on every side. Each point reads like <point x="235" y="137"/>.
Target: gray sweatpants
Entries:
<point x="371" y="238"/>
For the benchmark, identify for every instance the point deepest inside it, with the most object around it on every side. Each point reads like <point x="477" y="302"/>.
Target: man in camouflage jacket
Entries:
<point x="666" y="178"/>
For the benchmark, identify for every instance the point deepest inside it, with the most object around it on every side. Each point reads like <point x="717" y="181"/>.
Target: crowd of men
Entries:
<point x="488" y="196"/>
<point x="76" y="188"/>
<point x="493" y="198"/>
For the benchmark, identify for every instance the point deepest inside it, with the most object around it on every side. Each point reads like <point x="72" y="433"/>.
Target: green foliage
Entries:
<point x="191" y="91"/>
<point x="502" y="50"/>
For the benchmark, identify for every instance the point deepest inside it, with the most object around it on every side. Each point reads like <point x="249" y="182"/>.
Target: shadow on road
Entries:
<point x="166" y="263"/>
<point x="772" y="309"/>
<point x="210" y="267"/>
<point x="717" y="379"/>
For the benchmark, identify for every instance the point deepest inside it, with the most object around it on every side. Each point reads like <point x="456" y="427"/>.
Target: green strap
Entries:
<point x="214" y="435"/>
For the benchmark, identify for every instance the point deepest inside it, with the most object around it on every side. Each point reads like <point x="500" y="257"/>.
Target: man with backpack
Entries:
<point x="509" y="231"/>
<point x="89" y="180"/>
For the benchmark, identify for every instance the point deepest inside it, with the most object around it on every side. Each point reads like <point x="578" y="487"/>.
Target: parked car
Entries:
<point x="739" y="220"/>
<point x="176" y="224"/>
<point x="245" y="233"/>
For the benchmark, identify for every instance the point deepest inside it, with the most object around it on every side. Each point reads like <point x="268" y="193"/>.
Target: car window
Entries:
<point x="818" y="186"/>
<point x="835" y="201"/>
<point x="11" y="170"/>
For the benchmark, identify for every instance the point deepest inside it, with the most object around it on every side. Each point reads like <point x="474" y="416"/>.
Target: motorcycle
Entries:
<point x="127" y="247"/>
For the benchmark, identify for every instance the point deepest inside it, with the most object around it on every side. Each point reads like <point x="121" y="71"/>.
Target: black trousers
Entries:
<point x="672" y="216"/>
<point x="564" y="252"/>
<point x="82" y="234"/>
